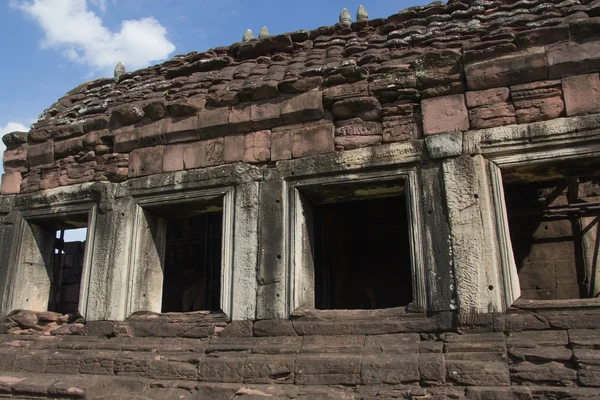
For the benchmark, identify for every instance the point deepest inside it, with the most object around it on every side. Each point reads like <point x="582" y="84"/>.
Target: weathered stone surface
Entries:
<point x="173" y="158"/>
<point x="233" y="148"/>
<point x="40" y="154"/>
<point x="257" y="147"/>
<point x="203" y="154"/>
<point x="125" y="115"/>
<point x="304" y="107"/>
<point x="146" y="161"/>
<point x="15" y="160"/>
<point x="568" y="58"/>
<point x="356" y="142"/>
<point x="445" y="114"/>
<point x="492" y="115"/>
<point x="551" y="372"/>
<point x="365" y="108"/>
<point x="444" y="145"/>
<point x="11" y="183"/>
<point x="487" y="97"/>
<point x="281" y="145"/>
<point x="527" y="66"/>
<point x="213" y="122"/>
<point x="312" y="139"/>
<point x="582" y="94"/>
<point x="478" y="373"/>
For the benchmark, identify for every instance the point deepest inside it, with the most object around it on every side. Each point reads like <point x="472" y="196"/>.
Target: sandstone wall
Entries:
<point x="427" y="70"/>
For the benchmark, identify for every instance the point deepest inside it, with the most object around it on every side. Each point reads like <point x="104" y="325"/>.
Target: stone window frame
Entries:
<point x="137" y="301"/>
<point x="297" y="275"/>
<point x="565" y="139"/>
<point x="19" y="278"/>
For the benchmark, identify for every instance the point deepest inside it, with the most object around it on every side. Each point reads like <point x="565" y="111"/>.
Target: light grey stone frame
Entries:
<point x="300" y="279"/>
<point x="147" y="253"/>
<point x="31" y="247"/>
<point x="562" y="139"/>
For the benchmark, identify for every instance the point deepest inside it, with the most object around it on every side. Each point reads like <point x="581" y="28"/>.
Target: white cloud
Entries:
<point x="8" y="128"/>
<point x="75" y="30"/>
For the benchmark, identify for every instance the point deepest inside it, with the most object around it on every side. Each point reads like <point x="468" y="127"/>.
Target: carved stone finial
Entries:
<point x="119" y="69"/>
<point x="264" y="32"/>
<point x="345" y="17"/>
<point x="362" y="14"/>
<point x="248" y="36"/>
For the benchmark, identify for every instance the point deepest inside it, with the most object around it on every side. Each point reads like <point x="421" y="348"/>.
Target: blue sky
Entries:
<point x="51" y="46"/>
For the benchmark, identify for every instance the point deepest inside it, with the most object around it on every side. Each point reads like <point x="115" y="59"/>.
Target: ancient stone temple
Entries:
<point x="395" y="208"/>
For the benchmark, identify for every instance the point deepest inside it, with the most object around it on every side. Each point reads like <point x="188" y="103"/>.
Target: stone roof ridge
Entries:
<point x="336" y="54"/>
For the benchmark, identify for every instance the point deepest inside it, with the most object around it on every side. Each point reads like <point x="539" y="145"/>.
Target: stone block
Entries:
<point x="486" y="97"/>
<point x="526" y="66"/>
<point x="273" y="328"/>
<point x="269" y="369"/>
<point x="356" y="127"/>
<point x="570" y="58"/>
<point x="221" y="369"/>
<point x="281" y="145"/>
<point x="335" y="369"/>
<point x="478" y="373"/>
<point x="181" y="129"/>
<point x="445" y="114"/>
<point x="444" y="145"/>
<point x="265" y="114"/>
<point x="365" y="108"/>
<point x="551" y="372"/>
<point x="257" y="147"/>
<point x="15" y="160"/>
<point x="172" y="370"/>
<point x="356" y="142"/>
<point x="539" y="109"/>
<point x="233" y="148"/>
<point x="304" y="107"/>
<point x="240" y="118"/>
<point x="40" y="154"/>
<point x="68" y="147"/>
<point x="124" y="115"/>
<point x="341" y="92"/>
<point x="11" y="183"/>
<point x="312" y="139"/>
<point x="203" y="154"/>
<point x="390" y="369"/>
<point x="582" y="94"/>
<point x="212" y="123"/>
<point x="173" y="158"/>
<point x="146" y="161"/>
<point x="492" y="115"/>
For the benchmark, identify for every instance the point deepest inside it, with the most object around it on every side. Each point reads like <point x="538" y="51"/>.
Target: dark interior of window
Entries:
<point x="192" y="263"/>
<point x="553" y="229"/>
<point x="362" y="254"/>
<point x="65" y="266"/>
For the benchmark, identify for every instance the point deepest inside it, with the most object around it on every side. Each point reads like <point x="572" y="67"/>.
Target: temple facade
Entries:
<point x="394" y="208"/>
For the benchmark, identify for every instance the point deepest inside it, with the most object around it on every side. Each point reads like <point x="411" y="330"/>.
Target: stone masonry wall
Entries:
<point x="426" y="70"/>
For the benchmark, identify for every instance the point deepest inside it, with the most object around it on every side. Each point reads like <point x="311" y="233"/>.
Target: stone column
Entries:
<point x="245" y="252"/>
<point x="473" y="235"/>
<point x="10" y="225"/>
<point x="590" y="240"/>
<point x="109" y="279"/>
<point x="272" y="271"/>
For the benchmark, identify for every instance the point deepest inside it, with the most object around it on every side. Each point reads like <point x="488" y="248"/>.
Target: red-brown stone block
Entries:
<point x="485" y="97"/>
<point x="233" y="148"/>
<point x="179" y="130"/>
<point x="281" y="145"/>
<point x="265" y="114"/>
<point x="40" y="154"/>
<point x="582" y="94"/>
<point x="257" y="146"/>
<point x="445" y="114"/>
<point x="356" y="142"/>
<point x="203" y="154"/>
<point x="240" y="118"/>
<point x="211" y="122"/>
<point x="146" y="161"/>
<point x="173" y="158"/>
<point x="304" y="107"/>
<point x="312" y="139"/>
<point x="16" y="160"/>
<point x="11" y="183"/>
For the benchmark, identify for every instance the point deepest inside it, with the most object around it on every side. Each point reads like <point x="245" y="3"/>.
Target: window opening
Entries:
<point x="192" y="263"/>
<point x="360" y="245"/>
<point x="66" y="270"/>
<point x="554" y="233"/>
